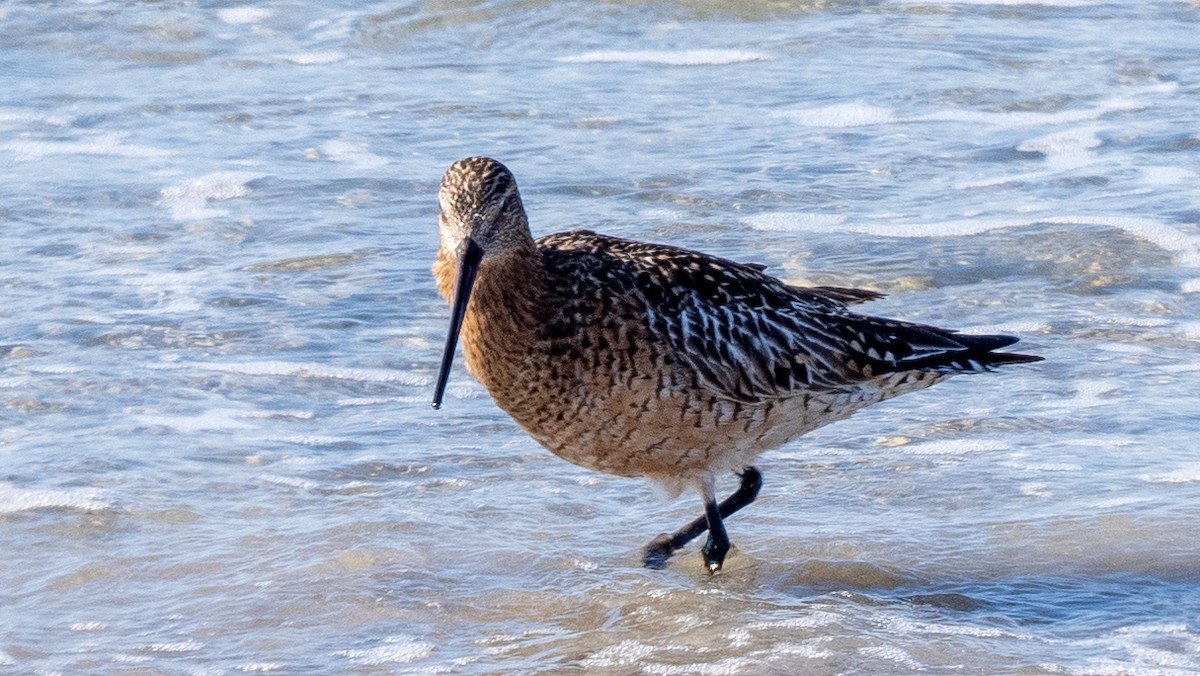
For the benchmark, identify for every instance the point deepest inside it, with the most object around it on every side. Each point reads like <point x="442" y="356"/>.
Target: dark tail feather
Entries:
<point x="998" y="358"/>
<point x="982" y="348"/>
<point x="968" y="353"/>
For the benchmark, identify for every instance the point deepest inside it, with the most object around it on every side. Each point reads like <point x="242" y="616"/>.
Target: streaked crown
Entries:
<point x="479" y="200"/>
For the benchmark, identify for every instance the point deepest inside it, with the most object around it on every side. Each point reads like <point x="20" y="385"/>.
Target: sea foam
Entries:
<point x="1184" y="245"/>
<point x="191" y="198"/>
<point x="14" y="499"/>
<point x="687" y="57"/>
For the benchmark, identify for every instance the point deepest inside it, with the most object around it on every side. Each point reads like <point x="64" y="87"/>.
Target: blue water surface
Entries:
<point x="219" y="335"/>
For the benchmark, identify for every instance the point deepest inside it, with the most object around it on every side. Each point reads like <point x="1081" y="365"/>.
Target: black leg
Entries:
<point x="660" y="548"/>
<point x="717" y="545"/>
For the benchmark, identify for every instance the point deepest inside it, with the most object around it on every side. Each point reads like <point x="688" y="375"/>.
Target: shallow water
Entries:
<point x="216" y="356"/>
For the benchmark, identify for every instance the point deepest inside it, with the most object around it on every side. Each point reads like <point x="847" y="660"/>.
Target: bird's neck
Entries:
<point x="503" y="315"/>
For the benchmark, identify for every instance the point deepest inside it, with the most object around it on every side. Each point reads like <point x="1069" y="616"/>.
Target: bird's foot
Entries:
<point x="714" y="554"/>
<point x="658" y="552"/>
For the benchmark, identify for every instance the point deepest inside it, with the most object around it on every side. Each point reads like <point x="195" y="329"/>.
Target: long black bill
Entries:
<point x="468" y="265"/>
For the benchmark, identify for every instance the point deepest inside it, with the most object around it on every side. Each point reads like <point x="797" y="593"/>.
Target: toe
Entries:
<point x="656" y="554"/>
<point x="714" y="555"/>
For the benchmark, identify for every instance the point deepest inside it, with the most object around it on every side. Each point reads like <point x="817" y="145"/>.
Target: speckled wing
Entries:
<point x="751" y="338"/>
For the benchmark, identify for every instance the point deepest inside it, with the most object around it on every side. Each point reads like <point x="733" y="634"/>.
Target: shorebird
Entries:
<point x="648" y="360"/>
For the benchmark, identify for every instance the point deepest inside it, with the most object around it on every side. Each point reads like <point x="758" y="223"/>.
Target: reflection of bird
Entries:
<point x="648" y="360"/>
